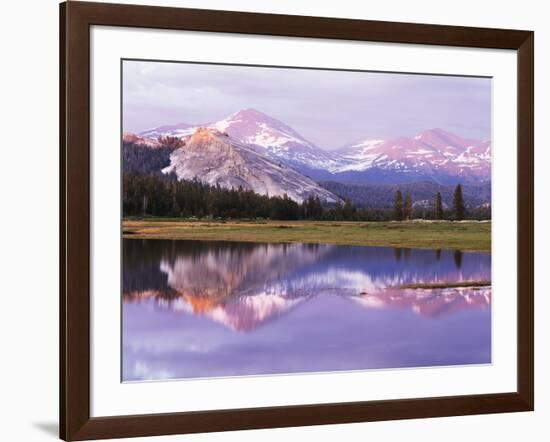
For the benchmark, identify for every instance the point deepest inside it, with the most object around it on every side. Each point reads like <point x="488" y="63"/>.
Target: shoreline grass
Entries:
<point x="468" y="236"/>
<point x="446" y="285"/>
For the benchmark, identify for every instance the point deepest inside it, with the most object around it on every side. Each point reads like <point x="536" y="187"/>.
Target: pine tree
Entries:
<point x="318" y="208"/>
<point x="349" y="210"/>
<point x="398" y="206"/>
<point x="407" y="211"/>
<point x="438" y="206"/>
<point x="458" y="203"/>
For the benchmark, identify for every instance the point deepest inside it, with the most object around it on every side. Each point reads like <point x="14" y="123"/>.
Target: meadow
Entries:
<point x="463" y="235"/>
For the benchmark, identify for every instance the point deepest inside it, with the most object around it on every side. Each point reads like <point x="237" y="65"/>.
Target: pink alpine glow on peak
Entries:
<point x="444" y="140"/>
<point x="254" y="127"/>
<point x="432" y="151"/>
<point x="269" y="135"/>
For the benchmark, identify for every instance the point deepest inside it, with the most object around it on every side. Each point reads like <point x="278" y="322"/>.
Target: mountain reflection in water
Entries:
<point x="198" y="309"/>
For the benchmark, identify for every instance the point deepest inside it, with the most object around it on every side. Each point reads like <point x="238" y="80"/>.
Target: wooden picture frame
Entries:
<point x="75" y="21"/>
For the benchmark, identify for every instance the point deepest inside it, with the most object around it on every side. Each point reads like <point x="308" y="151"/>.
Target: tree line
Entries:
<point x="165" y="196"/>
<point x="153" y="195"/>
<point x="382" y="195"/>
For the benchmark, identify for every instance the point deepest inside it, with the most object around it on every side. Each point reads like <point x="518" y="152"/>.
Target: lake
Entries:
<point x="209" y="309"/>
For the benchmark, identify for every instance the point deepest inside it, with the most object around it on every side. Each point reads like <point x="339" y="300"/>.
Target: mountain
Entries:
<point x="216" y="158"/>
<point x="272" y="137"/>
<point x="434" y="155"/>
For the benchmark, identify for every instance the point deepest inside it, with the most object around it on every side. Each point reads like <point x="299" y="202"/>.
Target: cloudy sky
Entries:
<point x="330" y="108"/>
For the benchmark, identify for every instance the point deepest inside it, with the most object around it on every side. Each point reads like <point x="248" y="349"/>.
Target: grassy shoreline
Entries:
<point x="446" y="285"/>
<point x="465" y="236"/>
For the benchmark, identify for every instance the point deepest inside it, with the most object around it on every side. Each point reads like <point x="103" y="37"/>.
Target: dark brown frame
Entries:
<point x="75" y="21"/>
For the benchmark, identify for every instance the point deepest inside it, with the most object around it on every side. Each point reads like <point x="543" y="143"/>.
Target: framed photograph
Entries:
<point x="272" y="220"/>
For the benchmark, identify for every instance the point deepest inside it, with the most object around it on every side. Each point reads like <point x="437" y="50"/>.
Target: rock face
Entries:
<point x="168" y="141"/>
<point x="216" y="158"/>
<point x="128" y="137"/>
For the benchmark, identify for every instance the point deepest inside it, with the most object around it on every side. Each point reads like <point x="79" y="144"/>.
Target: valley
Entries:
<point x="279" y="221"/>
<point x="252" y="178"/>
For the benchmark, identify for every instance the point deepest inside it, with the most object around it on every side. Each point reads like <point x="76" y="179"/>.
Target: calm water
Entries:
<point x="201" y="309"/>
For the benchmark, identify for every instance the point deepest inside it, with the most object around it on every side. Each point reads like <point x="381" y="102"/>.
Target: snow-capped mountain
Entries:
<point x="217" y="158"/>
<point x="271" y="136"/>
<point x="435" y="154"/>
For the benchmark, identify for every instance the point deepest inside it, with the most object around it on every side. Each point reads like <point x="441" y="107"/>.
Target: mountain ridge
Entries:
<point x="433" y="151"/>
<point x="434" y="154"/>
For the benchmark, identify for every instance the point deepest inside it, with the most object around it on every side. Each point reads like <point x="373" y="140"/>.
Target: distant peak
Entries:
<point x="440" y="137"/>
<point x="250" y="112"/>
